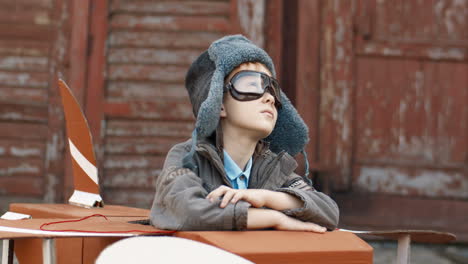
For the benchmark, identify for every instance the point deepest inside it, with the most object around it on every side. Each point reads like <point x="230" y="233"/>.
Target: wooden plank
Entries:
<point x="139" y="145"/>
<point x="133" y="161"/>
<point x="21" y="148"/>
<point x="34" y="16"/>
<point x="130" y="178"/>
<point x="96" y="78"/>
<point x="157" y="109"/>
<point x="22" y="130"/>
<point x="336" y="101"/>
<point x="28" y="186"/>
<point x="55" y="176"/>
<point x="19" y="167"/>
<point x="250" y="20"/>
<point x="169" y="23"/>
<point x="23" y="95"/>
<point x="415" y="181"/>
<point x="144" y="90"/>
<point x="27" y="4"/>
<point x="274" y="33"/>
<point x="141" y="198"/>
<point x="421" y="51"/>
<point x="24" y="79"/>
<point x="171" y="8"/>
<point x="392" y="94"/>
<point x="417" y="22"/>
<point x="150" y="129"/>
<point x="15" y="47"/>
<point x="151" y="56"/>
<point x="26" y="32"/>
<point x="161" y="39"/>
<point x="18" y="112"/>
<point x="79" y="49"/>
<point x="307" y="74"/>
<point x="413" y="213"/>
<point x="146" y="72"/>
<point x="21" y="63"/>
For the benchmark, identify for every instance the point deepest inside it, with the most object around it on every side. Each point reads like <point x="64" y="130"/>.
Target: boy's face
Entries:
<point x="258" y="117"/>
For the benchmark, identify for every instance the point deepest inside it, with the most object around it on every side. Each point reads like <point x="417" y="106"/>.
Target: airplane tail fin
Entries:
<point x="85" y="172"/>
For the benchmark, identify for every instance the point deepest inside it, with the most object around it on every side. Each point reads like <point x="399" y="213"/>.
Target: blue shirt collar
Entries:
<point x="232" y="170"/>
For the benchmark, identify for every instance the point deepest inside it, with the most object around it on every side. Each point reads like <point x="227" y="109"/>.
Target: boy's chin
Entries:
<point x="263" y="133"/>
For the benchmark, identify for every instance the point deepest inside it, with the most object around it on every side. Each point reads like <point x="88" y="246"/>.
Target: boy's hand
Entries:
<point x="256" y="197"/>
<point x="259" y="218"/>
<point x="292" y="224"/>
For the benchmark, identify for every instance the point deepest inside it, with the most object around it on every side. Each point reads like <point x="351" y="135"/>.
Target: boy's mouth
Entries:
<point x="269" y="113"/>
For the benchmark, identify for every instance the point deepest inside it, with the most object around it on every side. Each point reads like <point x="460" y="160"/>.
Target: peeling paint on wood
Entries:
<point x="172" y="8"/>
<point x="26" y="186"/>
<point x="251" y="18"/>
<point x="24" y="79"/>
<point x="23" y="130"/>
<point x="140" y="145"/>
<point x="21" y="148"/>
<point x="25" y="16"/>
<point x="131" y="178"/>
<point x="146" y="72"/>
<point x="156" y="129"/>
<point x="23" y="112"/>
<point x="413" y="182"/>
<point x="15" y="47"/>
<point x="404" y="114"/>
<point x="161" y="39"/>
<point x="141" y="198"/>
<point x="187" y="23"/>
<point x="144" y="90"/>
<point x="23" y="95"/>
<point x="23" y="63"/>
<point x="12" y="167"/>
<point x="151" y="56"/>
<point x="180" y="109"/>
<point x="336" y="90"/>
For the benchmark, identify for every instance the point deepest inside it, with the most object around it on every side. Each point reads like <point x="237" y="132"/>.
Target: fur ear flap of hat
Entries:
<point x="208" y="73"/>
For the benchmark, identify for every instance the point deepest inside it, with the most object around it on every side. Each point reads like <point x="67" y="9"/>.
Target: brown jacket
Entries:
<point x="180" y="203"/>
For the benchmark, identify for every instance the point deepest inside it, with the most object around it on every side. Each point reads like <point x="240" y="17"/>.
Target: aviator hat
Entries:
<point x="205" y="81"/>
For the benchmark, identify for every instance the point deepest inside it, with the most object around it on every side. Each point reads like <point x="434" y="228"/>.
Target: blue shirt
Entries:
<point x="239" y="179"/>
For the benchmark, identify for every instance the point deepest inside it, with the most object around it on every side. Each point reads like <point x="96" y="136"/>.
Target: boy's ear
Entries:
<point x="223" y="111"/>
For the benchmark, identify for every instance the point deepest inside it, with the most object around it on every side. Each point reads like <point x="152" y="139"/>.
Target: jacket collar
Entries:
<point x="265" y="163"/>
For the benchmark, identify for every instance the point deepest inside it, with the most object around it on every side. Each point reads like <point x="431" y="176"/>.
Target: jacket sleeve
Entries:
<point x="180" y="204"/>
<point x="318" y="207"/>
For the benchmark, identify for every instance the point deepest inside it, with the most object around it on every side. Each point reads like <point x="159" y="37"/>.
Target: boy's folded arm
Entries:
<point x="180" y="203"/>
<point x="317" y="207"/>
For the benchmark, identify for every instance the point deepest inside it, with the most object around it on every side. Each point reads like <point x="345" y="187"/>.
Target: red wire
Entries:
<point x="99" y="232"/>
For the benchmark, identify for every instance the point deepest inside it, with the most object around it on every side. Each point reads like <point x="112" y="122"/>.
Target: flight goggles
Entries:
<point x="251" y="85"/>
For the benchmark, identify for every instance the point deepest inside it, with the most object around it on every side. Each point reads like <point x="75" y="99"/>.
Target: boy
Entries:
<point x="236" y="172"/>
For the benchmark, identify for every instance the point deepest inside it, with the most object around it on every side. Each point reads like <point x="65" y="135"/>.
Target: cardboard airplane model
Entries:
<point x="86" y="184"/>
<point x="85" y="172"/>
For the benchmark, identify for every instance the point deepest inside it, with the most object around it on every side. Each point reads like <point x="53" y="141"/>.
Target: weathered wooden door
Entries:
<point x="393" y="120"/>
<point x="33" y="52"/>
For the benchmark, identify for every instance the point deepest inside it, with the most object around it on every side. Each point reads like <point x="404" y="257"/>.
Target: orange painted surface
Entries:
<point x="68" y="250"/>
<point x="288" y="247"/>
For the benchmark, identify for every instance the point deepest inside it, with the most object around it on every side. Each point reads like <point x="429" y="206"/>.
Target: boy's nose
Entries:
<point x="268" y="98"/>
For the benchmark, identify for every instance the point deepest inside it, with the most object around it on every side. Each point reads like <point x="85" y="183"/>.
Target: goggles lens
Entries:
<point x="251" y="85"/>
